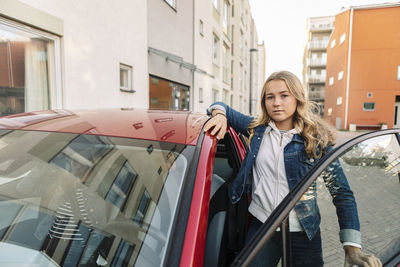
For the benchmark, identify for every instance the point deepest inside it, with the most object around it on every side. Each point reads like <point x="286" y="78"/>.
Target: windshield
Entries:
<point x="87" y="200"/>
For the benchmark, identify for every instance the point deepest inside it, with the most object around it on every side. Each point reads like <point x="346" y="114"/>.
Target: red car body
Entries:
<point x="198" y="205"/>
<point x="165" y="126"/>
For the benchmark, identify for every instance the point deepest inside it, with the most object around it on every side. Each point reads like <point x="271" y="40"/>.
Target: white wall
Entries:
<point x="170" y="31"/>
<point x="97" y="37"/>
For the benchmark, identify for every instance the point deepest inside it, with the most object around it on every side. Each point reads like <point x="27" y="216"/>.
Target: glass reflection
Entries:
<point x="372" y="171"/>
<point x="88" y="200"/>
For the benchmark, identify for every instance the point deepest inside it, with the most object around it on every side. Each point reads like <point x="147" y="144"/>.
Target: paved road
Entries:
<point x="344" y="136"/>
<point x="376" y="191"/>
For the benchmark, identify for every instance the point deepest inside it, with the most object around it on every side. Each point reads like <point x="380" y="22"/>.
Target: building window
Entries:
<point x="232" y="37"/>
<point x="122" y="186"/>
<point x="169" y="95"/>
<point x="329" y="111"/>
<point x="340" y="75"/>
<point x="216" y="4"/>
<point x="123" y="254"/>
<point x="29" y="76"/>
<point x="398" y="72"/>
<point x="214" y="95"/>
<point x="369" y="106"/>
<point x="215" y="50"/>
<point x="369" y="95"/>
<point x="201" y="100"/>
<point x="323" y="74"/>
<point x="225" y="20"/>
<point x="342" y="38"/>
<point x="241" y="78"/>
<point x="172" y="3"/>
<point x="225" y="59"/>
<point x="125" y="78"/>
<point x="201" y="28"/>
<point x="142" y="208"/>
<point x="241" y="44"/>
<point x="333" y="43"/>
<point x="81" y="155"/>
<point x="339" y="100"/>
<point x="331" y="81"/>
<point x="226" y="96"/>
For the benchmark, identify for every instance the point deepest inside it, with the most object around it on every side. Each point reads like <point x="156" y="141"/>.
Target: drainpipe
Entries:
<point x="346" y="111"/>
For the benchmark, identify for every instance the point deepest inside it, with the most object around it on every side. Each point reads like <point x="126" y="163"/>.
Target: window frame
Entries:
<point x="342" y="38"/>
<point x="340" y="75"/>
<point x="201" y="27"/>
<point x="201" y="95"/>
<point x="368" y="109"/>
<point x="171" y="3"/>
<point x="215" y="50"/>
<point x="339" y="100"/>
<point x="216" y="4"/>
<point x="333" y="43"/>
<point x="331" y="80"/>
<point x="398" y="72"/>
<point x="281" y="213"/>
<point x="129" y="87"/>
<point x="55" y="80"/>
<point x="215" y="95"/>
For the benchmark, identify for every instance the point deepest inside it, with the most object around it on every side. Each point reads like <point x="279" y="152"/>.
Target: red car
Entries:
<point x="136" y="187"/>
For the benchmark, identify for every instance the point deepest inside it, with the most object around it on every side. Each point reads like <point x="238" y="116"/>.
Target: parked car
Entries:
<point x="137" y="187"/>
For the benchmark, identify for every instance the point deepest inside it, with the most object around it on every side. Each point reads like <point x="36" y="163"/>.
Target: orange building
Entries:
<point x="363" y="68"/>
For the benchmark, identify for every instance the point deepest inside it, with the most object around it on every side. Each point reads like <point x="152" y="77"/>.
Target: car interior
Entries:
<point x="227" y="223"/>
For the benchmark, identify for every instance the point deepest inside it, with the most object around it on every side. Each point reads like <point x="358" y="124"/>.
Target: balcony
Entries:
<point x="317" y="78"/>
<point x="317" y="96"/>
<point x="320" y="27"/>
<point x="316" y="62"/>
<point x="318" y="45"/>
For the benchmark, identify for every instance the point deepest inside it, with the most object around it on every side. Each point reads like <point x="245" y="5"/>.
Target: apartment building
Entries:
<point x="72" y="54"/>
<point x="363" y="68"/>
<point x="207" y="55"/>
<point x="248" y="60"/>
<point x="171" y="54"/>
<point x="318" y="30"/>
<point x="213" y="52"/>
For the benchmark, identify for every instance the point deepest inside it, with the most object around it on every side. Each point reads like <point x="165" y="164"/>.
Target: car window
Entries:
<point x="73" y="199"/>
<point x="371" y="169"/>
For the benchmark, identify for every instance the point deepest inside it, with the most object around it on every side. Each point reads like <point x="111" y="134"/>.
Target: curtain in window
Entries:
<point x="36" y="76"/>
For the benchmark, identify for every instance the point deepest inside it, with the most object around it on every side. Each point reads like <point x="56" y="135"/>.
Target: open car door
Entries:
<point x="371" y="163"/>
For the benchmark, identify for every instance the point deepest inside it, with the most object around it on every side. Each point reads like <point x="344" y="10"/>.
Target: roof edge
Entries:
<point x="370" y="6"/>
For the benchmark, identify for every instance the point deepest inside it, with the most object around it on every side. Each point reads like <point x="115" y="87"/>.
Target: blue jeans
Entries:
<point x="305" y="252"/>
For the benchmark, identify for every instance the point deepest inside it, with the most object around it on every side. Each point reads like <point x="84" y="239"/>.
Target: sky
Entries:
<point x="281" y="24"/>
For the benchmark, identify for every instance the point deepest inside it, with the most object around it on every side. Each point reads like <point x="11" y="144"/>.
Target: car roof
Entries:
<point x="182" y="127"/>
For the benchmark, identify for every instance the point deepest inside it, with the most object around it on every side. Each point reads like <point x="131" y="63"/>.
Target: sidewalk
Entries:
<point x="344" y="136"/>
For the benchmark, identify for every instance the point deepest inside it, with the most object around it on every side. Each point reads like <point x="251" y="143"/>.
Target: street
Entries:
<point x="344" y="136"/>
<point x="376" y="191"/>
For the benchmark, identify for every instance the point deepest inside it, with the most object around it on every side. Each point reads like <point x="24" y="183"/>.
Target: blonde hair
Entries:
<point x="316" y="132"/>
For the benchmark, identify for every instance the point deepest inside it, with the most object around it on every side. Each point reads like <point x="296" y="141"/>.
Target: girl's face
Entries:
<point x="280" y="104"/>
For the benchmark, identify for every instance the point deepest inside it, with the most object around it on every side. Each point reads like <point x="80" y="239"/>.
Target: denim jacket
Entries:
<point x="297" y="164"/>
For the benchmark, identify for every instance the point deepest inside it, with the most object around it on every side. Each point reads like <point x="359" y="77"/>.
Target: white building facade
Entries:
<point x="222" y="39"/>
<point x="163" y="54"/>
<point x="72" y="54"/>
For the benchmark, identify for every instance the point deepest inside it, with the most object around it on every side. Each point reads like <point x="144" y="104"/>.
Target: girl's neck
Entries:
<point x="284" y="125"/>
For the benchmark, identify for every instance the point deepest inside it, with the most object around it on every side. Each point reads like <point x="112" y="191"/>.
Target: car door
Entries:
<point x="217" y="163"/>
<point x="225" y="233"/>
<point x="371" y="164"/>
